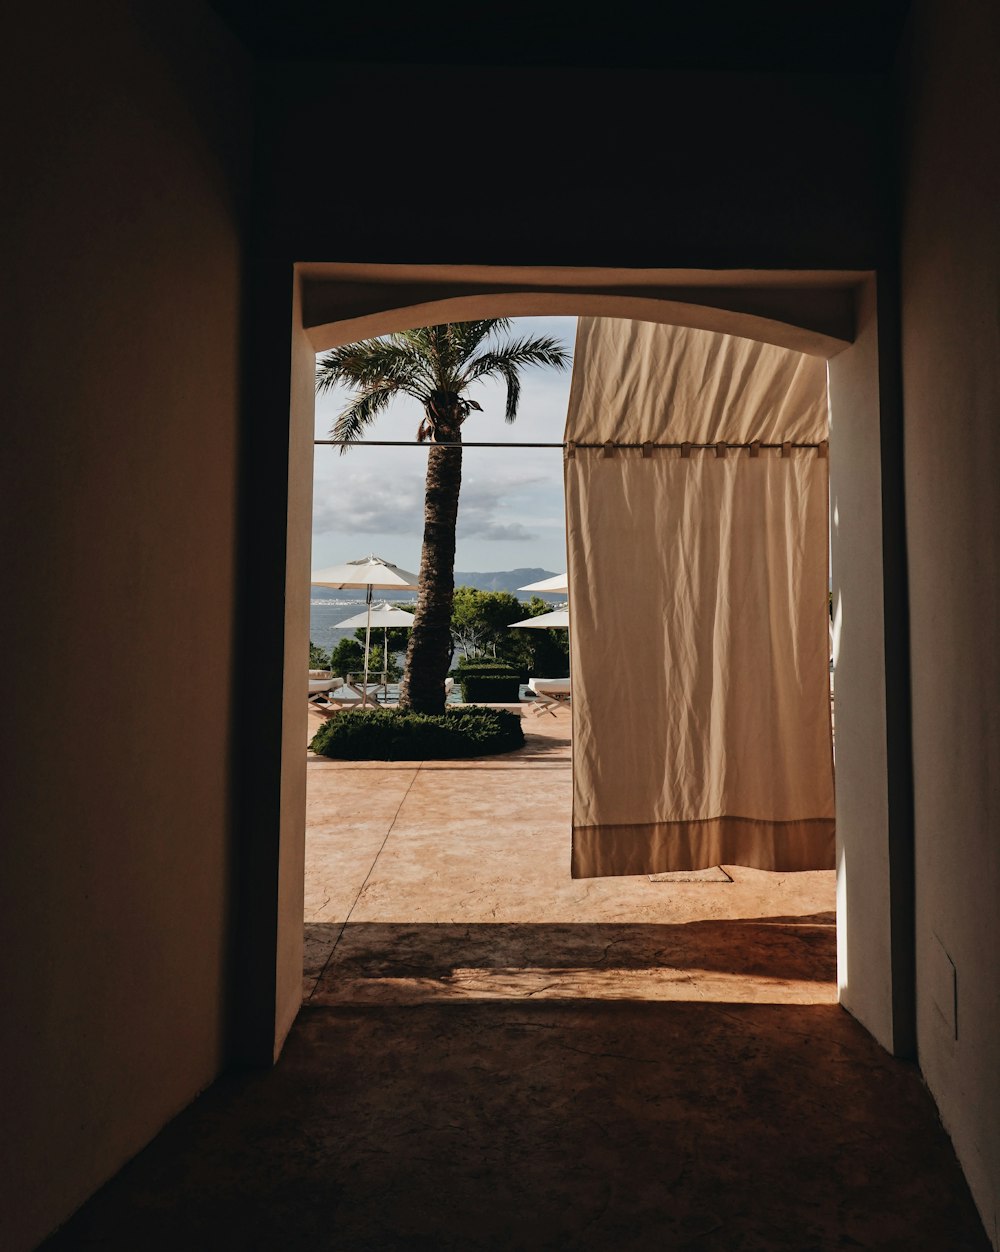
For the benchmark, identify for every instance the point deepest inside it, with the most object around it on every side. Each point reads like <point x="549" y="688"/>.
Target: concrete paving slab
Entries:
<point x="477" y="854"/>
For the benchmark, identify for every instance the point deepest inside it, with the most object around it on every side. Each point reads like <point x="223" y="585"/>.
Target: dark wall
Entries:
<point x="126" y="158"/>
<point x="950" y="105"/>
<point x="588" y="167"/>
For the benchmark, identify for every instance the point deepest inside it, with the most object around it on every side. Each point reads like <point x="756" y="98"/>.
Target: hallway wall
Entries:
<point x="864" y="942"/>
<point x="951" y="380"/>
<point x="125" y="159"/>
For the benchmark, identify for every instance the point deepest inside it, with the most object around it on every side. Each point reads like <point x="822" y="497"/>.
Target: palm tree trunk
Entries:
<point x="428" y="653"/>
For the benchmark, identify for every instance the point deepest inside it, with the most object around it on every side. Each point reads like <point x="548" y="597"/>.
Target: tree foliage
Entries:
<point x="538" y="653"/>
<point x="398" y="637"/>
<point x="479" y="619"/>
<point x="480" y="622"/>
<point x="347" y="656"/>
<point x="428" y="363"/>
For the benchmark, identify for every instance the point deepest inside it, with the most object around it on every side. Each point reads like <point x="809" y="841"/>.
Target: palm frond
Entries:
<point x="447" y="348"/>
<point x="430" y="344"/>
<point x="507" y="360"/>
<point x="512" y="378"/>
<point x="361" y="410"/>
<point x="470" y="335"/>
<point x="419" y="337"/>
<point x="370" y="361"/>
<point x="428" y="359"/>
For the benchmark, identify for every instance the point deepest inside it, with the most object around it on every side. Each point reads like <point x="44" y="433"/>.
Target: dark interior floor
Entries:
<point x="580" y="1124"/>
<point x="653" y="1066"/>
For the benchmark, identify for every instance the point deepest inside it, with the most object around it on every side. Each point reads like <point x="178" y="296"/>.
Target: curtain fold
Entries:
<point x="698" y="606"/>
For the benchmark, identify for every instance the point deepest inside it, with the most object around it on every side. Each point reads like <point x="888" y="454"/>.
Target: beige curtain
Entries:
<point x="698" y="605"/>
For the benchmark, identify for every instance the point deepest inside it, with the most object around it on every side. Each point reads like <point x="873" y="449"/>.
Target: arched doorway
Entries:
<point x="832" y="315"/>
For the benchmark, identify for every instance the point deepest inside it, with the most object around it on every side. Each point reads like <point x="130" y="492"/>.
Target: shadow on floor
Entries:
<point x="398" y="962"/>
<point x="591" y="1126"/>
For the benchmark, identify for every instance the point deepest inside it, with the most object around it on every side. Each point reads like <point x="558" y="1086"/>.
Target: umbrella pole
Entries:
<point x="368" y="639"/>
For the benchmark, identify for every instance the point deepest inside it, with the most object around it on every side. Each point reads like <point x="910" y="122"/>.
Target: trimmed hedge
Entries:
<point x="499" y="668"/>
<point x="483" y="662"/>
<point x="400" y="735"/>
<point x="490" y="688"/>
<point x="488" y="682"/>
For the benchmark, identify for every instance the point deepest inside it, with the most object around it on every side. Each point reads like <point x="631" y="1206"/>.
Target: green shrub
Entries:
<point x="490" y="682"/>
<point x="347" y="656"/>
<point x="319" y="658"/>
<point x="480" y="688"/>
<point x="400" y="735"/>
<point x="484" y="667"/>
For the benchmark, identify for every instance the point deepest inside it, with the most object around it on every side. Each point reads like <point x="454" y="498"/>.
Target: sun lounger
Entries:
<point x="378" y="685"/>
<point x="320" y="686"/>
<point x="549" y="693"/>
<point x="323" y="693"/>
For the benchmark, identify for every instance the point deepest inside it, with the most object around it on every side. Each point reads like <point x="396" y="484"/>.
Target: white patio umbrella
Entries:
<point x="388" y="616"/>
<point x="554" y="689"/>
<point x="558" y="618"/>
<point x="370" y="572"/>
<point x="558" y="582"/>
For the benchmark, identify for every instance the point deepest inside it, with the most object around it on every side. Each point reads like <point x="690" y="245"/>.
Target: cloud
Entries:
<point x="478" y="507"/>
<point x="499" y="530"/>
<point x="368" y="503"/>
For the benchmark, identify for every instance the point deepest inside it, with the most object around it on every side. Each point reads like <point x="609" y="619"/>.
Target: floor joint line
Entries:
<point x="371" y="870"/>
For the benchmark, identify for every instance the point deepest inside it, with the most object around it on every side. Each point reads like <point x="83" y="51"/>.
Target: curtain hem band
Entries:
<point x="660" y="847"/>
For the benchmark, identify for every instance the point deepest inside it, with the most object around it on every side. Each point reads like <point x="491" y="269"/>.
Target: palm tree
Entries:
<point x="434" y="365"/>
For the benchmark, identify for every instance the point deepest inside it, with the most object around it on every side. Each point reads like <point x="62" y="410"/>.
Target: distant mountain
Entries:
<point x="502" y="580"/>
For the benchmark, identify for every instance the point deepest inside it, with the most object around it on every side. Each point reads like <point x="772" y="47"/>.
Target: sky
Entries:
<point x="510" y="513"/>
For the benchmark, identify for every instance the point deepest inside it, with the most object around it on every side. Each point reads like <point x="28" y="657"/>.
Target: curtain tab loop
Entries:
<point x="755" y="448"/>
<point x="647" y="450"/>
<point x="721" y="448"/>
<point x="570" y="451"/>
<point x="686" y="451"/>
<point x="823" y="449"/>
<point x="786" y="450"/>
<point x="609" y="448"/>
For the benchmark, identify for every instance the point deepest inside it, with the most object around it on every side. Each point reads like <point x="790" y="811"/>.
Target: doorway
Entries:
<point x="833" y="315"/>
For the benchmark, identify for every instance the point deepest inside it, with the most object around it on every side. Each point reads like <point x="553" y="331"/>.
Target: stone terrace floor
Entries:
<point x="449" y="880"/>
<point x="493" y="1056"/>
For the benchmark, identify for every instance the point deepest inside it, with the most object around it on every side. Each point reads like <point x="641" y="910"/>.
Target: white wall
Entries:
<point x="951" y="391"/>
<point x="125" y="159"/>
<point x="864" y="957"/>
<point x="291" y="865"/>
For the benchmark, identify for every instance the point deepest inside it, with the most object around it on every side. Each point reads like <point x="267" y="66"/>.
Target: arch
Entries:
<point x="807" y="311"/>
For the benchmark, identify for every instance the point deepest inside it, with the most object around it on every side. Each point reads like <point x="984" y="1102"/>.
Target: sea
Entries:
<point x="328" y="608"/>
